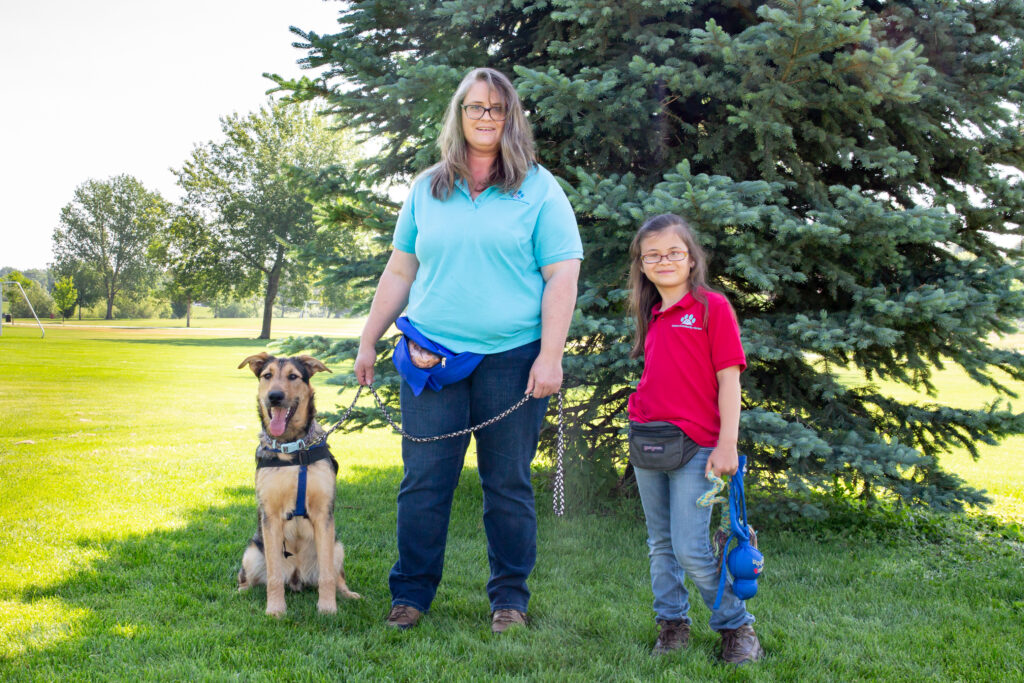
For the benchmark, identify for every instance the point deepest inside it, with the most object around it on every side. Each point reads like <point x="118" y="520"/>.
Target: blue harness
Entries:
<point x="304" y="458"/>
<point x="745" y="562"/>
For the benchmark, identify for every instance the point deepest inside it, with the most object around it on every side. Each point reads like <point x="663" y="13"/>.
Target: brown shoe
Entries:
<point x="672" y="635"/>
<point x="502" y="619"/>
<point x="403" y="617"/>
<point x="740" y="645"/>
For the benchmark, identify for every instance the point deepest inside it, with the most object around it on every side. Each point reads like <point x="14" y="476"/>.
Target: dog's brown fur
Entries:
<point x="314" y="556"/>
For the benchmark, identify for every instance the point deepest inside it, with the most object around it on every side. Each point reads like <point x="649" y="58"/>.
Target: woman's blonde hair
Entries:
<point x="515" y="157"/>
<point x="642" y="292"/>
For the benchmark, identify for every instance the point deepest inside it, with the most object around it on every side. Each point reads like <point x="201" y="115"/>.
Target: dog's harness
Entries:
<point x="304" y="457"/>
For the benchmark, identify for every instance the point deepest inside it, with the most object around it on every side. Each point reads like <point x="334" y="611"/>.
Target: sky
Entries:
<point x="98" y="88"/>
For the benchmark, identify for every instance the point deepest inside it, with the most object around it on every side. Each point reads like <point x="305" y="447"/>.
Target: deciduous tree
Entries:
<point x="193" y="256"/>
<point x="251" y="188"/>
<point x="39" y="301"/>
<point x="107" y="228"/>
<point x="65" y="296"/>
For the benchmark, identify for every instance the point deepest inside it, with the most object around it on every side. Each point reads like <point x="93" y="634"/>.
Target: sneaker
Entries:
<point x="740" y="645"/>
<point x="403" y="617"/>
<point x="672" y="635"/>
<point x="502" y="619"/>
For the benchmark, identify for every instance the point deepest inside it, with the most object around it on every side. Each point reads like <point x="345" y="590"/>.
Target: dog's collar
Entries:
<point x="314" y="435"/>
<point x="303" y="452"/>
<point x="290" y="447"/>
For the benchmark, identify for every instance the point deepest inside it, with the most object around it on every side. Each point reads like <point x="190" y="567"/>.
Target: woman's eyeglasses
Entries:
<point x="476" y="111"/>
<point x="651" y="259"/>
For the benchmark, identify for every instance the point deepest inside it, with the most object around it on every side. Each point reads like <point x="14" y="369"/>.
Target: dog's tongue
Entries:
<point x="278" y="421"/>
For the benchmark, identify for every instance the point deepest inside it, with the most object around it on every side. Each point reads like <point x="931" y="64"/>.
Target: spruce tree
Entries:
<point x="851" y="168"/>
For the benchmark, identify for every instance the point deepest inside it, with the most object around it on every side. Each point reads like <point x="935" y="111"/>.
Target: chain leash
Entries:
<point x="558" y="500"/>
<point x="441" y="437"/>
<point x="341" y="421"/>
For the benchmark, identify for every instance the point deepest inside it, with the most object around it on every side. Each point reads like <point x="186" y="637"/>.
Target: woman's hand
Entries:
<point x="545" y="376"/>
<point x="388" y="301"/>
<point x="557" y="304"/>
<point x="363" y="368"/>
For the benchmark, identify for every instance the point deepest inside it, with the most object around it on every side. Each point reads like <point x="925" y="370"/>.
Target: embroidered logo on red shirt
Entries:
<point x="688" y="322"/>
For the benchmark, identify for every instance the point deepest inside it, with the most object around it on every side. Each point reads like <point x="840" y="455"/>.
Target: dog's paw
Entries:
<point x="327" y="607"/>
<point x="276" y="611"/>
<point x="345" y="593"/>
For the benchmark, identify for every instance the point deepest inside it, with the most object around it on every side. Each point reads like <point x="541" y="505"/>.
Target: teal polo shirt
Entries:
<point x="479" y="286"/>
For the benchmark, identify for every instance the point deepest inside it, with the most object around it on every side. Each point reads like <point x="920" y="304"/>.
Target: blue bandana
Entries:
<point x="452" y="368"/>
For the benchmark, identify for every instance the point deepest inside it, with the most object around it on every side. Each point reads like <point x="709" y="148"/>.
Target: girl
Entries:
<point x="689" y="337"/>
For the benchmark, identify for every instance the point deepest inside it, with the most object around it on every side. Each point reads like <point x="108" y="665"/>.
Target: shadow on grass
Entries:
<point x="217" y="342"/>
<point x="164" y="604"/>
<point x="866" y="596"/>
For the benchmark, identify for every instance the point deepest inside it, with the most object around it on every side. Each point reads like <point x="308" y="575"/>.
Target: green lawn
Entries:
<point x="280" y="327"/>
<point x="126" y="478"/>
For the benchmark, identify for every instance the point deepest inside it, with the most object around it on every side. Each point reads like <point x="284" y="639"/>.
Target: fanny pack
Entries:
<point x="448" y="367"/>
<point x="659" y="446"/>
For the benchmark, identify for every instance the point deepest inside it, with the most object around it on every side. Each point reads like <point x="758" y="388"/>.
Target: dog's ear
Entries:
<point x="312" y="365"/>
<point x="256" y="363"/>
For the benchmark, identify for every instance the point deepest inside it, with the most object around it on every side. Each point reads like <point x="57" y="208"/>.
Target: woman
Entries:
<point x="486" y="258"/>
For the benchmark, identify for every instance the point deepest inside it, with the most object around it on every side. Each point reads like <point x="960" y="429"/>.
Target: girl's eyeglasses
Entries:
<point x="651" y="259"/>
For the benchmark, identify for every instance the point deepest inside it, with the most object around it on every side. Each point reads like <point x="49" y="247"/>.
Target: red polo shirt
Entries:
<point x="681" y="357"/>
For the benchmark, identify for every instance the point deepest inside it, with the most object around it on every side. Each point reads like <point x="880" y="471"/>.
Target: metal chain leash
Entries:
<point x="558" y="502"/>
<point x="558" y="498"/>
<point x="440" y="437"/>
<point x="340" y="421"/>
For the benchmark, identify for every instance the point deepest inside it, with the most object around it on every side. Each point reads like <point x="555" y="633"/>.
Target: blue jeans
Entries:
<point x="504" y="453"/>
<point x="678" y="539"/>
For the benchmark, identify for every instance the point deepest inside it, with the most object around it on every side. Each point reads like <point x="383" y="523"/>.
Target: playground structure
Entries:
<point x="15" y="282"/>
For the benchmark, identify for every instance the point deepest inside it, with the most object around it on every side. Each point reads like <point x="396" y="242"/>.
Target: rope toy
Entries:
<point x="745" y="562"/>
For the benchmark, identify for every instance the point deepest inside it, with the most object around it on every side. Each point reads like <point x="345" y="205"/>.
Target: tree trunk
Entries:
<point x="110" y="307"/>
<point x="273" y="280"/>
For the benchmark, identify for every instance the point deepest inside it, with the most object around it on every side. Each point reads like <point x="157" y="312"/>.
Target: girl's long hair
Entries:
<point x="515" y="157"/>
<point x="642" y="292"/>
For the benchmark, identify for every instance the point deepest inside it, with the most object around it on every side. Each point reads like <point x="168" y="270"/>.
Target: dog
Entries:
<point x="287" y="548"/>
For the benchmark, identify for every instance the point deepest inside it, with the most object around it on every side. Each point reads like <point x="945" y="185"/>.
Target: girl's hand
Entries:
<point x="545" y="376"/>
<point x="723" y="460"/>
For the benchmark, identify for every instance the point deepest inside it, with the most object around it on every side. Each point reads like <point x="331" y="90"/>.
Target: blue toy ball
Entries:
<point x="744" y="562"/>
<point x="744" y="589"/>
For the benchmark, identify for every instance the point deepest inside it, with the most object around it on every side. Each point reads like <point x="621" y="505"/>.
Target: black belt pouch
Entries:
<point x="659" y="446"/>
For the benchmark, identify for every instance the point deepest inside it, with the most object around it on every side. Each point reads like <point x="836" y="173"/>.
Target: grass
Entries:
<point x="123" y="521"/>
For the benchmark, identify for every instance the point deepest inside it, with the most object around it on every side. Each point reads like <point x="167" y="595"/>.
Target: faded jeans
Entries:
<point x="678" y="539"/>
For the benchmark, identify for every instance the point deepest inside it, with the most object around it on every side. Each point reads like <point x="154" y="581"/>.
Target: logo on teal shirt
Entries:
<point x="516" y="196"/>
